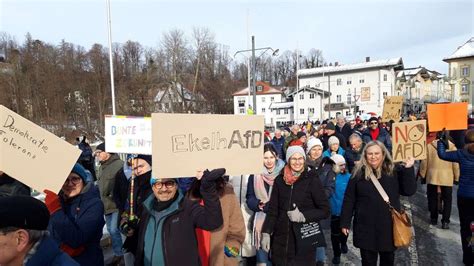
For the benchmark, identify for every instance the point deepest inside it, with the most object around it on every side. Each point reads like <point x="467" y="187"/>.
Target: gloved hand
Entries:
<point x="52" y="201"/>
<point x="443" y="137"/>
<point x="265" y="242"/>
<point x="456" y="183"/>
<point x="213" y="175"/>
<point x="296" y="216"/>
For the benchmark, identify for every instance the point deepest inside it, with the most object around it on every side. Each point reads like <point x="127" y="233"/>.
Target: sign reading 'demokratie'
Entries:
<point x="128" y="134"/>
<point x="32" y="154"/>
<point x="409" y="140"/>
<point x="392" y="108"/>
<point x="183" y="143"/>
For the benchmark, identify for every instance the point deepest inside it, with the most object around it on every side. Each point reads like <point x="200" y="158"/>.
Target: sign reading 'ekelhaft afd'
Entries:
<point x="128" y="134"/>
<point x="183" y="143"/>
<point x="32" y="154"/>
<point x="409" y="140"/>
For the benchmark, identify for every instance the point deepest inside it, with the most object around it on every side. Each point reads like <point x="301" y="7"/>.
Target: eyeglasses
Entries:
<point x="294" y="160"/>
<point x="167" y="184"/>
<point x="373" y="123"/>
<point x="74" y="180"/>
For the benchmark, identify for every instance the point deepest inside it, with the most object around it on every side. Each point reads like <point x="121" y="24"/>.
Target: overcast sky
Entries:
<point x="422" y="32"/>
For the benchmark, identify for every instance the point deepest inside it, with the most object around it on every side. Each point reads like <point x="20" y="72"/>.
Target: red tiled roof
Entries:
<point x="266" y="90"/>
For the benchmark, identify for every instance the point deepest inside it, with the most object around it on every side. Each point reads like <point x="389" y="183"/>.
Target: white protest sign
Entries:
<point x="183" y="143"/>
<point x="33" y="155"/>
<point x="128" y="134"/>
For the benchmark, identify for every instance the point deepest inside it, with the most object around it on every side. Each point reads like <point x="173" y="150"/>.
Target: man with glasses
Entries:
<point x="375" y="131"/>
<point x="166" y="232"/>
<point x="110" y="165"/>
<point x="24" y="239"/>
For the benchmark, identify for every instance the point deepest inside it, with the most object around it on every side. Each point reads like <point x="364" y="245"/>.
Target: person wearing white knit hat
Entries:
<point x="334" y="147"/>
<point x="314" y="152"/>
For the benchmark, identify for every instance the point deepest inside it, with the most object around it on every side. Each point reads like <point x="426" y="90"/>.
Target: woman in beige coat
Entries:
<point x="440" y="176"/>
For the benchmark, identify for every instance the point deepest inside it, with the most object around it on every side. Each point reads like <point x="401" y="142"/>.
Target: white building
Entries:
<point x="282" y="113"/>
<point x="361" y="86"/>
<point x="308" y="103"/>
<point x="266" y="95"/>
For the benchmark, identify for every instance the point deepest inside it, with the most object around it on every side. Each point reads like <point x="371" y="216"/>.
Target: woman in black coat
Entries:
<point x="372" y="218"/>
<point x="297" y="197"/>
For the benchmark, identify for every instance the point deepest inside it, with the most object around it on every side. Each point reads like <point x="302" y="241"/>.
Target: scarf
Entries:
<point x="264" y="196"/>
<point x="374" y="133"/>
<point x="289" y="176"/>
<point x="314" y="163"/>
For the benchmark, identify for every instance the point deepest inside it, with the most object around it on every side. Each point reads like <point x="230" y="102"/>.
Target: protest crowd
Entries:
<point x="316" y="178"/>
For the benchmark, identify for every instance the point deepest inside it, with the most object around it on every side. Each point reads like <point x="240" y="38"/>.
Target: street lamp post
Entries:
<point x="253" y="66"/>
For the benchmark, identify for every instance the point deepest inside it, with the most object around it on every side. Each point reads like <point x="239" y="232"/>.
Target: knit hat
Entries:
<point x="313" y="142"/>
<point x="23" y="212"/>
<point x="101" y="146"/>
<point x="333" y="140"/>
<point x="331" y="126"/>
<point x="300" y="134"/>
<point x="145" y="157"/>
<point x="80" y="171"/>
<point x="292" y="150"/>
<point x="338" y="159"/>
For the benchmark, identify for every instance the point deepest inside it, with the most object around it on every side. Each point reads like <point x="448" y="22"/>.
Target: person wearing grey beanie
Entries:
<point x="292" y="150"/>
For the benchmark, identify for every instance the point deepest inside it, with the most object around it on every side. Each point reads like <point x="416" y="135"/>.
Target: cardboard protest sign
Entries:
<point x="392" y="108"/>
<point x="32" y="154"/>
<point x="183" y="143"/>
<point x="409" y="140"/>
<point x="128" y="134"/>
<point x="452" y="116"/>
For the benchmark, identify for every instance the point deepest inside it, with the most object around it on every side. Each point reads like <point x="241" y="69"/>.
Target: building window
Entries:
<point x="260" y="88"/>
<point x="465" y="71"/>
<point x="286" y="111"/>
<point x="464" y="88"/>
<point x="272" y="99"/>
<point x="242" y="110"/>
<point x="311" y="111"/>
<point x="278" y="111"/>
<point x="302" y="96"/>
<point x="339" y="82"/>
<point x="349" y="98"/>
<point x="311" y="95"/>
<point x="166" y="105"/>
<point x="361" y="79"/>
<point x="338" y="98"/>
<point x="384" y="77"/>
<point x="263" y="110"/>
<point x="301" y="111"/>
<point x="385" y="94"/>
<point x="263" y="99"/>
<point x="241" y="102"/>
<point x="349" y="81"/>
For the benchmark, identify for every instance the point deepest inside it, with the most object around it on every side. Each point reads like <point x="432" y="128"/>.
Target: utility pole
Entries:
<point x="254" y="76"/>
<point x="329" y="90"/>
<point x="112" y="86"/>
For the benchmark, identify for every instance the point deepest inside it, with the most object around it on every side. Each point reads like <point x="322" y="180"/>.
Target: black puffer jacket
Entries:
<point x="308" y="195"/>
<point x="372" y="218"/>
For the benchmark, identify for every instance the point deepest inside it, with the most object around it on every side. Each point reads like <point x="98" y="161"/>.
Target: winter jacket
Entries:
<point x="372" y="224"/>
<point x="174" y="232"/>
<point x="466" y="168"/>
<point x="352" y="157"/>
<point x="279" y="146"/>
<point x="12" y="187"/>
<point x="383" y="137"/>
<point x="436" y="171"/>
<point x="307" y="193"/>
<point x="251" y="199"/>
<point x="107" y="172"/>
<point x="231" y="233"/>
<point x="339" y="136"/>
<point x="328" y="153"/>
<point x="79" y="224"/>
<point x="326" y="175"/>
<point x="346" y="131"/>
<point x="48" y="254"/>
<point x="338" y="196"/>
<point x="288" y="140"/>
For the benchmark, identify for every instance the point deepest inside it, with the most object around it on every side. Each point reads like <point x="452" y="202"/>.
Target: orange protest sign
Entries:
<point x="452" y="116"/>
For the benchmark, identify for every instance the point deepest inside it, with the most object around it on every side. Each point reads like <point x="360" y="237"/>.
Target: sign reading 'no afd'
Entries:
<point x="183" y="143"/>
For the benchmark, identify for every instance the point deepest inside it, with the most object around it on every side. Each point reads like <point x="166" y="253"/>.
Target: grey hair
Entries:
<point x="355" y="136"/>
<point x="33" y="235"/>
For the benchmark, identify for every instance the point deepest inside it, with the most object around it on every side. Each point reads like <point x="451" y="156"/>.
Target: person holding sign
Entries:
<point x="372" y="226"/>
<point x="297" y="198"/>
<point x="166" y="232"/>
<point x="465" y="158"/>
<point x="77" y="218"/>
<point x="376" y="132"/>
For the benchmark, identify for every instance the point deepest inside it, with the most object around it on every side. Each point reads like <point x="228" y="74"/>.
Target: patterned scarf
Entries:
<point x="290" y="176"/>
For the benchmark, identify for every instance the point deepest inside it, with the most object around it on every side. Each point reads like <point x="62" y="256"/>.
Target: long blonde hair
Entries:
<point x="364" y="168"/>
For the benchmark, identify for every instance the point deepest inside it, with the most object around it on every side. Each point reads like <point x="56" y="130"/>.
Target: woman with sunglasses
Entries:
<point x="77" y="218"/>
<point x="375" y="132"/>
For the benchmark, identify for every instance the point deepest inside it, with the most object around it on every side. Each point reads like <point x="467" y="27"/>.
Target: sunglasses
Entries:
<point x="373" y="123"/>
<point x="167" y="184"/>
